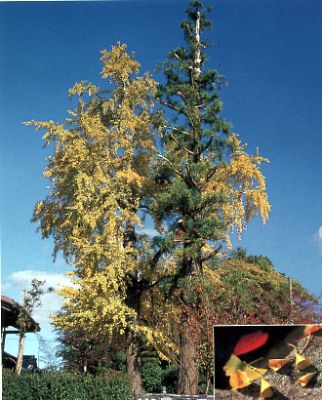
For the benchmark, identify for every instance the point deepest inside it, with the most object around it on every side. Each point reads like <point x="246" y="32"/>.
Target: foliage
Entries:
<point x="260" y="295"/>
<point x="64" y="386"/>
<point x="261" y="261"/>
<point x="31" y="300"/>
<point x="98" y="172"/>
<point x="152" y="376"/>
<point x="108" y="357"/>
<point x="97" y="354"/>
<point x="48" y="356"/>
<point x="210" y="184"/>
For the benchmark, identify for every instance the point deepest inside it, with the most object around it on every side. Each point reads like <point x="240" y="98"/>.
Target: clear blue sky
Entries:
<point x="271" y="54"/>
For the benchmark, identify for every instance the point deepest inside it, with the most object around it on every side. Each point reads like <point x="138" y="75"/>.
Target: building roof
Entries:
<point x="10" y="312"/>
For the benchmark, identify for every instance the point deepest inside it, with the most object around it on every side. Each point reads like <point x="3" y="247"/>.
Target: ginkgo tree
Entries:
<point x="99" y="174"/>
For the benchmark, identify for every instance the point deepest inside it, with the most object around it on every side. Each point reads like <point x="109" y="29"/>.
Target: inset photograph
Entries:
<point x="268" y="361"/>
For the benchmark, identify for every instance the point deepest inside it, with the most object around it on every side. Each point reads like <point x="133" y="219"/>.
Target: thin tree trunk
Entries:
<point x="134" y="293"/>
<point x="3" y="339"/>
<point x="188" y="370"/>
<point x="197" y="60"/>
<point x="133" y="362"/>
<point x="21" y="348"/>
<point x="208" y="380"/>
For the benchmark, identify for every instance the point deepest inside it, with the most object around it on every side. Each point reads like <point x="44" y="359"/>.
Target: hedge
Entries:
<point x="64" y="386"/>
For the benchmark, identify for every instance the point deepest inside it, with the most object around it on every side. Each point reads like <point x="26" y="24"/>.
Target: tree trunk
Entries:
<point x="22" y="338"/>
<point x="3" y="339"/>
<point x="188" y="370"/>
<point x="208" y="381"/>
<point x="133" y="362"/>
<point x="134" y="292"/>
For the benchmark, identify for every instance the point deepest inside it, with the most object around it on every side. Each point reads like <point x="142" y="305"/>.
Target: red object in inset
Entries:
<point x="311" y="329"/>
<point x="250" y="342"/>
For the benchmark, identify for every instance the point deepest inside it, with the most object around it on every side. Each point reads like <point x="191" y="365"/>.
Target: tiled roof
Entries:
<point x="9" y="314"/>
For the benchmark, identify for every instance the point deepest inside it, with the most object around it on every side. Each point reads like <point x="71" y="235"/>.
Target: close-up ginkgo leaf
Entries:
<point x="277" y="363"/>
<point x="301" y="362"/>
<point x="239" y="380"/>
<point x="250" y="342"/>
<point x="305" y="379"/>
<point x="241" y="374"/>
<point x="266" y="390"/>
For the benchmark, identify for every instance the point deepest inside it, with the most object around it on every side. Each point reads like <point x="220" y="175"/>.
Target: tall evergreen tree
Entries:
<point x="210" y="184"/>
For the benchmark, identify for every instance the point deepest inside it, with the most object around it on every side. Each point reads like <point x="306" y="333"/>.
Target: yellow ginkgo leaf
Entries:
<point x="232" y="365"/>
<point x="239" y="380"/>
<point x="266" y="390"/>
<point x="301" y="362"/>
<point x="305" y="379"/>
<point x="255" y="373"/>
<point x="241" y="374"/>
<point x="278" y="363"/>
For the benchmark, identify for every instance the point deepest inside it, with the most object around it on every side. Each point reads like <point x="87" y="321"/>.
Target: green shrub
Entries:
<point x="152" y="376"/>
<point x="64" y="386"/>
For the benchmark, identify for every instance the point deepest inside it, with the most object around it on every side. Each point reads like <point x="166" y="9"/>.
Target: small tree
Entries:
<point x="31" y="299"/>
<point x="47" y="354"/>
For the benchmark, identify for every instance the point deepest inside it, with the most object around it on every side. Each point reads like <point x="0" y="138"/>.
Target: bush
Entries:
<point x="152" y="375"/>
<point x="64" y="386"/>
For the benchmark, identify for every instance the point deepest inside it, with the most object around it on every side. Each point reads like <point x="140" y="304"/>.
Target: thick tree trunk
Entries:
<point x="133" y="362"/>
<point x="21" y="348"/>
<point x="188" y="370"/>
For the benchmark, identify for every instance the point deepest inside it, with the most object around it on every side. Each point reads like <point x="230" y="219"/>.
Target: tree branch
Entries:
<point x="180" y="145"/>
<point x="174" y="168"/>
<point x="194" y="184"/>
<point x="177" y="130"/>
<point x="165" y="103"/>
<point x="207" y="145"/>
<point x="212" y="254"/>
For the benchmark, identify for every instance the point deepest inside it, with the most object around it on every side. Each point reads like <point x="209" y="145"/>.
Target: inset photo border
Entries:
<point x="267" y="361"/>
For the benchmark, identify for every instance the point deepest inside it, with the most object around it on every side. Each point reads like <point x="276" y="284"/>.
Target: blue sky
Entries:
<point x="269" y="51"/>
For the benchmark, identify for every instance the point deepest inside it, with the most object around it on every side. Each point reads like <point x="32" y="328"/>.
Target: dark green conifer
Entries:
<point x="195" y="175"/>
